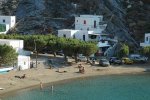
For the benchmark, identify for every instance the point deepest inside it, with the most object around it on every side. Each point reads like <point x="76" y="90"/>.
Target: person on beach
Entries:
<point x="41" y="86"/>
<point x="80" y="69"/>
<point x="79" y="66"/>
<point x="83" y="70"/>
<point x="21" y="77"/>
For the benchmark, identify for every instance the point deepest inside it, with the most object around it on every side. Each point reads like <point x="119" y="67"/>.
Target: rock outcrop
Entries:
<point x="138" y="18"/>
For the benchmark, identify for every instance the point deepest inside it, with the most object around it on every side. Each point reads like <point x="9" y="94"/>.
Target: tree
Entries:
<point x="64" y="45"/>
<point x="40" y="44"/>
<point x="124" y="51"/>
<point x="30" y="41"/>
<point x="146" y="51"/>
<point x="89" y="49"/>
<point x="74" y="47"/>
<point x="70" y="47"/>
<point x="53" y="45"/>
<point x="7" y="55"/>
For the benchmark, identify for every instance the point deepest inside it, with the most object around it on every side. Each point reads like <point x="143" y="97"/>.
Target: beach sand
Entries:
<point x="36" y="75"/>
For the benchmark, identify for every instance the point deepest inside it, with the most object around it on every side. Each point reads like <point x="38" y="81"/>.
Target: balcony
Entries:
<point x="103" y="44"/>
<point x="102" y="27"/>
<point x="102" y="22"/>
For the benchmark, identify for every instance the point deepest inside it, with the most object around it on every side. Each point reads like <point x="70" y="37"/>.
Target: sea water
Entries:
<point x="113" y="87"/>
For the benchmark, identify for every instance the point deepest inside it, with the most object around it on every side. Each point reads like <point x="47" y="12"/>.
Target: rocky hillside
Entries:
<point x="46" y="16"/>
<point x="138" y="17"/>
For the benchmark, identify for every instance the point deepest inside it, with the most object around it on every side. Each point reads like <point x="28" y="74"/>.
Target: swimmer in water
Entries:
<point x="41" y="86"/>
<point x="52" y="88"/>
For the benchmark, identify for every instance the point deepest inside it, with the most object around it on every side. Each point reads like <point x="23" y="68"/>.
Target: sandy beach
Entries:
<point x="36" y="75"/>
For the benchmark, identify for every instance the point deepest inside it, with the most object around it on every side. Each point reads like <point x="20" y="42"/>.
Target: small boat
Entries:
<point x="6" y="69"/>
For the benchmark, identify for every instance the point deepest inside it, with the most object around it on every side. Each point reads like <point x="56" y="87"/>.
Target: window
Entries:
<point x="83" y="37"/>
<point x="3" y="20"/>
<point x="24" y="63"/>
<point x="84" y="21"/>
<point x="146" y="38"/>
<point x="94" y="24"/>
<point x="74" y="36"/>
<point x="64" y="35"/>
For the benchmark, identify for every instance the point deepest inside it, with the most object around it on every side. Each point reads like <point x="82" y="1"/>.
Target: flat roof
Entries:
<point x="91" y="16"/>
<point x="147" y="33"/>
<point x="9" y="40"/>
<point x="67" y="30"/>
<point x="6" y="16"/>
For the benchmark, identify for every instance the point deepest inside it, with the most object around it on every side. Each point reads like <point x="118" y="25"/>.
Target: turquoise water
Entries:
<point x="3" y="72"/>
<point x="121" y="87"/>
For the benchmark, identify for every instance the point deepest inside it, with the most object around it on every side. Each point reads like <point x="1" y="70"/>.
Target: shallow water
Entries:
<point x="116" y="87"/>
<point x="3" y="72"/>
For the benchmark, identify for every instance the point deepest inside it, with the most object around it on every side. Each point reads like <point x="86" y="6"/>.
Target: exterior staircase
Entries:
<point x="110" y="51"/>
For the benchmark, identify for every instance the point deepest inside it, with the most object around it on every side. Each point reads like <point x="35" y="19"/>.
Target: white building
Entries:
<point x="90" y="23"/>
<point x="87" y="28"/>
<point x="16" y="44"/>
<point x="23" y="62"/>
<point x="23" y="56"/>
<point x="6" y="22"/>
<point x="147" y="40"/>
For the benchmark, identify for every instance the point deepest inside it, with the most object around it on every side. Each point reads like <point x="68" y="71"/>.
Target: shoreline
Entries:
<point x="9" y="93"/>
<point x="53" y="77"/>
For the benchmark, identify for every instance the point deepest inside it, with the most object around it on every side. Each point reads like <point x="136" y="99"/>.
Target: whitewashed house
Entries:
<point x="6" y="22"/>
<point x="87" y="28"/>
<point x="23" y="61"/>
<point x="146" y="41"/>
<point x="90" y="23"/>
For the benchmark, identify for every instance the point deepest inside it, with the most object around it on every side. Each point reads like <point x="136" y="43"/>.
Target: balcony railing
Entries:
<point x="99" y="26"/>
<point x="102" y="22"/>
